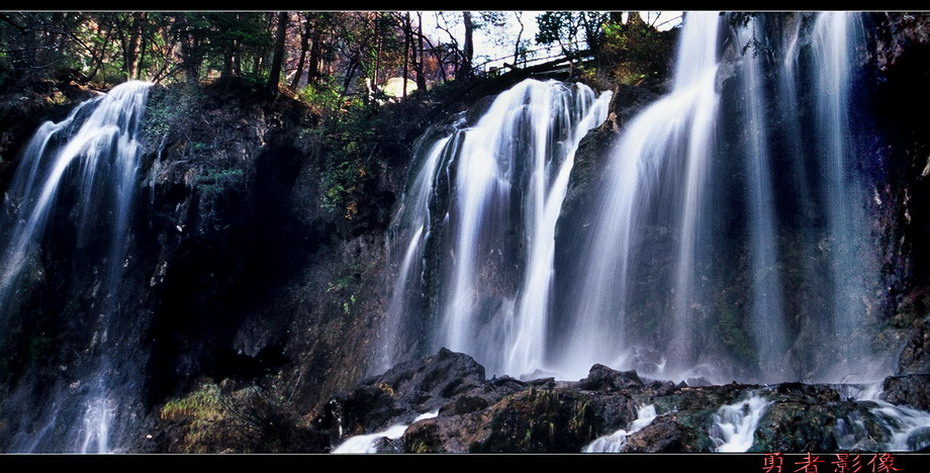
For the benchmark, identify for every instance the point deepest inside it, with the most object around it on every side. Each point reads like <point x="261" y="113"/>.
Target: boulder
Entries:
<point x="912" y="390"/>
<point x="604" y="379"/>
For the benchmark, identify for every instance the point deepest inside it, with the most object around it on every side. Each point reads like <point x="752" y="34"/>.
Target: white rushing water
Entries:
<point x="717" y="240"/>
<point x="414" y="215"/>
<point x="500" y="184"/>
<point x="735" y="424"/>
<point x="368" y="443"/>
<point x="903" y="423"/>
<point x="852" y="268"/>
<point x="907" y="429"/>
<point x="94" y="156"/>
<point x="767" y="312"/>
<point x="673" y="134"/>
<point x="615" y="442"/>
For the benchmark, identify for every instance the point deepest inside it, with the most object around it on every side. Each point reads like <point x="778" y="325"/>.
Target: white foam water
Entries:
<point x="616" y="441"/>
<point x="368" y="443"/>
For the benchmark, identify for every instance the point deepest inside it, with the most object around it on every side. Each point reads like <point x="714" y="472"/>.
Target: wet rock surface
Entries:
<point x="913" y="389"/>
<point x="475" y="414"/>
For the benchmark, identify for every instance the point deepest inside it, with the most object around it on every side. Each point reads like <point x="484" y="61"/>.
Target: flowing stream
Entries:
<point x="80" y="176"/>
<point x="486" y="198"/>
<point x="719" y="242"/>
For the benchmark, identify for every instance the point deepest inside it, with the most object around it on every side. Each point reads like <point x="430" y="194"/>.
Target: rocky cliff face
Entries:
<point x="475" y="414"/>
<point x="258" y="305"/>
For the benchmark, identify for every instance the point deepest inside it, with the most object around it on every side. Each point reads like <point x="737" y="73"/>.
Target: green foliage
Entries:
<point x="635" y="52"/>
<point x="567" y="28"/>
<point x="216" y="181"/>
<point x="212" y="419"/>
<point x="170" y="110"/>
<point x="350" y="141"/>
<point x="202" y="406"/>
<point x="231" y="42"/>
<point x="341" y="286"/>
<point x="325" y="99"/>
<point x="734" y="336"/>
<point x="341" y="181"/>
<point x="219" y="189"/>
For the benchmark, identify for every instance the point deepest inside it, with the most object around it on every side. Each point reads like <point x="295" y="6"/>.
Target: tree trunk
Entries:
<point x="191" y="54"/>
<point x="304" y="46"/>
<point x="406" y="50"/>
<point x="516" y="48"/>
<point x="418" y="64"/>
<point x="228" y="62"/>
<point x="379" y="43"/>
<point x="350" y="75"/>
<point x="278" y="57"/>
<point x="133" y="49"/>
<point x="468" y="49"/>
<point x="316" y="51"/>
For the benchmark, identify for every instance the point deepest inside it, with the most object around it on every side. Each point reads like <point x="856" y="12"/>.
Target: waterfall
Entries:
<point x="706" y="257"/>
<point x="852" y="266"/>
<point x="368" y="443"/>
<point x="728" y="232"/>
<point x="735" y="425"/>
<point x="659" y="168"/>
<point x="477" y="222"/>
<point x="767" y="312"/>
<point x="75" y="189"/>
<point x="616" y="441"/>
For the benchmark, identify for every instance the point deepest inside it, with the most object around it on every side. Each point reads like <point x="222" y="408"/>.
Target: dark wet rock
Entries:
<point x="448" y="382"/>
<point x="811" y="392"/>
<point x="507" y="415"/>
<point x="386" y="445"/>
<point x="919" y="440"/>
<point x="423" y="437"/>
<point x="448" y="434"/>
<point x="912" y="390"/>
<point x="699" y="381"/>
<point x="430" y="383"/>
<point x="542" y="383"/>
<point x="546" y="420"/>
<point x="507" y="382"/>
<point x="915" y="357"/>
<point x="797" y="426"/>
<point x="665" y="434"/>
<point x="464" y="405"/>
<point x="369" y="407"/>
<point x="662" y="388"/>
<point x="604" y="379"/>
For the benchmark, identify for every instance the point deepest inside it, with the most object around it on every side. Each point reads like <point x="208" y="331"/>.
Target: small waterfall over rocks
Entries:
<point x="72" y="198"/>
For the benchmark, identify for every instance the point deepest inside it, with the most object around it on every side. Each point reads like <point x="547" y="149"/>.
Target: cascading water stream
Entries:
<point x="368" y="443"/>
<point x="616" y="441"/>
<point x="673" y="134"/>
<point x="844" y="196"/>
<point x="413" y="216"/>
<point x="89" y="163"/>
<point x="767" y="312"/>
<point x="723" y="242"/>
<point x="528" y="340"/>
<point x="500" y="184"/>
<point x="735" y="424"/>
